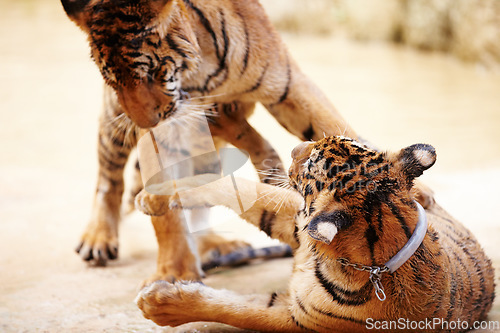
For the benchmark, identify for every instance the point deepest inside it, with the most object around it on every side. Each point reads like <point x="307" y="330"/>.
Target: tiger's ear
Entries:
<point x="75" y="9"/>
<point x="415" y="159"/>
<point x="324" y="226"/>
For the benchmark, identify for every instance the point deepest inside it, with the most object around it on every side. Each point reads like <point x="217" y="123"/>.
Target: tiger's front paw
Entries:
<point x="151" y="204"/>
<point x="170" y="304"/>
<point x="99" y="243"/>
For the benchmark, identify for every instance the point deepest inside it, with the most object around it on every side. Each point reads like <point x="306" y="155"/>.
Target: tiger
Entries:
<point x="349" y="210"/>
<point x="164" y="58"/>
<point x="159" y="58"/>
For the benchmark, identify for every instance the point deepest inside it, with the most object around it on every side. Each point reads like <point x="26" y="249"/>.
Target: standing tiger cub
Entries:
<point x="160" y="58"/>
<point x="352" y="210"/>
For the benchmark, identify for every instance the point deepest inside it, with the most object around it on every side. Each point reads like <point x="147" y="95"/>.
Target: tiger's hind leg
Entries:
<point x="175" y="304"/>
<point x="135" y="187"/>
<point x="231" y="125"/>
<point x="212" y="246"/>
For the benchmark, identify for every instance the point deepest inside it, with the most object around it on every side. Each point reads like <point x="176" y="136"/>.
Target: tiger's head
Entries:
<point x="343" y="181"/>
<point x="142" y="47"/>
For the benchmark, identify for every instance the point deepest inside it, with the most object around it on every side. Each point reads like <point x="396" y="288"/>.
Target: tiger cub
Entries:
<point x="162" y="57"/>
<point x="352" y="210"/>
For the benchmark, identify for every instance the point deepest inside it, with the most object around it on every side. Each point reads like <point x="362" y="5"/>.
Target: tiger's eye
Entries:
<point x="136" y="43"/>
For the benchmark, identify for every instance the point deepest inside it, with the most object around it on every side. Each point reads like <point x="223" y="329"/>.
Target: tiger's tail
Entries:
<point x="244" y="255"/>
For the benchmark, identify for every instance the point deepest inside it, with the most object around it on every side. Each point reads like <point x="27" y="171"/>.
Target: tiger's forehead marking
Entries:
<point x="120" y="34"/>
<point x="340" y="166"/>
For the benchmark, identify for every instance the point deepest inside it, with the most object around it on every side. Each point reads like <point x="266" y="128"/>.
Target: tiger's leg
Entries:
<point x="303" y="109"/>
<point x="177" y="253"/>
<point x="231" y="125"/>
<point x="175" y="304"/>
<point x="135" y="188"/>
<point x="99" y="242"/>
<point x="268" y="207"/>
<point x="211" y="245"/>
<point x="177" y="258"/>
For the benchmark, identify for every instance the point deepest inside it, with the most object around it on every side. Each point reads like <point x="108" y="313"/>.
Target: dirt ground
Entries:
<point x="50" y="95"/>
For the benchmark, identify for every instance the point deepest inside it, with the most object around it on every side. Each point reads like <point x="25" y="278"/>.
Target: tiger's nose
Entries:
<point x="300" y="149"/>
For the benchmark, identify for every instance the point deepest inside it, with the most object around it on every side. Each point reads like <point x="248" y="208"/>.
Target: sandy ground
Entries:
<point x="50" y="96"/>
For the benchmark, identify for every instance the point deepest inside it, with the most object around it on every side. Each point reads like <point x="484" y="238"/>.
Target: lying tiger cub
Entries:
<point x="363" y="250"/>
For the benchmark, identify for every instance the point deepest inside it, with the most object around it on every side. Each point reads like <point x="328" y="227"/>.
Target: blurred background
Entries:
<point x="400" y="72"/>
<point x="466" y="29"/>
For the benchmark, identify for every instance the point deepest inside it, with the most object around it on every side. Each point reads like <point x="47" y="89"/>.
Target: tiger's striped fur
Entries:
<point x="161" y="56"/>
<point x="366" y="198"/>
<point x="244" y="255"/>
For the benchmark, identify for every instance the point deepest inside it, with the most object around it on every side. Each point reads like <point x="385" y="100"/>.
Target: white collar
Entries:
<point x="399" y="259"/>
<point x="411" y="247"/>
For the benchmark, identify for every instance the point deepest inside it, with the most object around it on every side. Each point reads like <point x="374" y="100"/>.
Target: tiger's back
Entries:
<point x="469" y="275"/>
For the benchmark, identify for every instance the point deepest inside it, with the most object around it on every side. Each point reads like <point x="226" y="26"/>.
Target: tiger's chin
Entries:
<point x="147" y="124"/>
